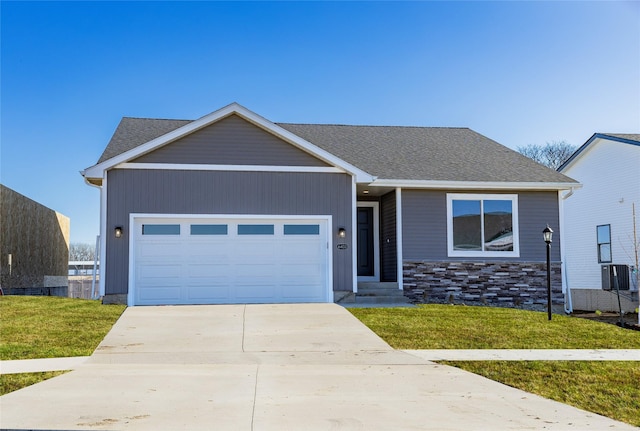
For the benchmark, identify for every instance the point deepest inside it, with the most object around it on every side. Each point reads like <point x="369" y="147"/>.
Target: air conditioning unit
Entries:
<point x="611" y="273"/>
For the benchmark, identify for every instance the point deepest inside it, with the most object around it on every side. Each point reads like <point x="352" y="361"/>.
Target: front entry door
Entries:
<point x="366" y="259"/>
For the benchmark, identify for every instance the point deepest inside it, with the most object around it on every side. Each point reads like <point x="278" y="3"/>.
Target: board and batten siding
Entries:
<point x="231" y="141"/>
<point x="388" y="236"/>
<point x="223" y="192"/>
<point x="424" y="225"/>
<point x="610" y="174"/>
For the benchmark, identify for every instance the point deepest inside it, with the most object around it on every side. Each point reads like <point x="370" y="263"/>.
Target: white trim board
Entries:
<point x="240" y="168"/>
<point x="473" y="185"/>
<point x="376" y="240"/>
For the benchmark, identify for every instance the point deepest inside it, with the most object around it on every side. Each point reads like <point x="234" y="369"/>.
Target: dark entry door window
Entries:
<point x="365" y="242"/>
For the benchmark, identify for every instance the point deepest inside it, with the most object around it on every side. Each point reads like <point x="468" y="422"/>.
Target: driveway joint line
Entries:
<point x="255" y="396"/>
<point x="244" y="324"/>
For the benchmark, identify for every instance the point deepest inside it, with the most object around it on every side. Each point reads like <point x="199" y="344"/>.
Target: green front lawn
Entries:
<point x="607" y="388"/>
<point x="34" y="327"/>
<point x="462" y="327"/>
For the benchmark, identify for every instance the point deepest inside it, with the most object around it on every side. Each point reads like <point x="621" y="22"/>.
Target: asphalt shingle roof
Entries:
<point x="387" y="152"/>
<point x="133" y="132"/>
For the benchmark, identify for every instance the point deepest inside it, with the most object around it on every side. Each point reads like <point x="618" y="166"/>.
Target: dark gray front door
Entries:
<point x="365" y="242"/>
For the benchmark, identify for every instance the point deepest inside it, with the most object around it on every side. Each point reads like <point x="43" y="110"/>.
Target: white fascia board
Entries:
<point x="234" y="108"/>
<point x="473" y="185"/>
<point x="240" y="168"/>
<point x="579" y="154"/>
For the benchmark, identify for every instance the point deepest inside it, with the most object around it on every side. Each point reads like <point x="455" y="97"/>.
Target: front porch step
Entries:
<point x="381" y="300"/>
<point x="380" y="293"/>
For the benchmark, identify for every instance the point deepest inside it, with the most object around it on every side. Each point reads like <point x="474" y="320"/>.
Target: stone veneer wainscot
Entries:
<point x="515" y="284"/>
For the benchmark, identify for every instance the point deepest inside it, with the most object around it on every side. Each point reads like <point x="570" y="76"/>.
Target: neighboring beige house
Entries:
<point x="34" y="247"/>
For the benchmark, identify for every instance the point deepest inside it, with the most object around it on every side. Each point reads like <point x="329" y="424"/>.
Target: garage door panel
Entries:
<point x="156" y="249"/>
<point x="207" y="270"/>
<point x="301" y="271"/>
<point x="214" y="292"/>
<point x="246" y="292"/>
<point x="226" y="260"/>
<point x="148" y="271"/>
<point x="300" y="292"/>
<point x="160" y="293"/>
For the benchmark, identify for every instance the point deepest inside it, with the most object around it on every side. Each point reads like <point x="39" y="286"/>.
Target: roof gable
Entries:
<point x="132" y="144"/>
<point x="231" y="141"/>
<point x="624" y="138"/>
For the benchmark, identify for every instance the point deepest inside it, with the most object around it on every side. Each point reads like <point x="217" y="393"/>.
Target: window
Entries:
<point x="604" y="243"/>
<point x="255" y="229"/>
<point x="482" y="225"/>
<point x="208" y="229"/>
<point x="160" y="229"/>
<point x="301" y="229"/>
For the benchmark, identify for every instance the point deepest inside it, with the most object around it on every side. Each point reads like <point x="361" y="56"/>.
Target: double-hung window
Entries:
<point x="604" y="243"/>
<point x="482" y="225"/>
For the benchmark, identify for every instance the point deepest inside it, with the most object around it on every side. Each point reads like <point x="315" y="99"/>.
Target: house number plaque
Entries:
<point x="342" y="246"/>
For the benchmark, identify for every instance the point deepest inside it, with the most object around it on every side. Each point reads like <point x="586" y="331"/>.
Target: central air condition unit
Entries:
<point x="611" y="273"/>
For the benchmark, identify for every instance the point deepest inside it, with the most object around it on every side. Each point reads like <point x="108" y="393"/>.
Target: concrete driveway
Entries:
<point x="271" y="367"/>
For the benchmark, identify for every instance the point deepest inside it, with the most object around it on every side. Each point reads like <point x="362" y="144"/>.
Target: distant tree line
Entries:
<point x="552" y="155"/>
<point x="81" y="252"/>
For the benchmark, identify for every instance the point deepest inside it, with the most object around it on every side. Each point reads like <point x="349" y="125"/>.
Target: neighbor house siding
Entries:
<point x="609" y="172"/>
<point x="424" y="225"/>
<point x="388" y="244"/>
<point x="215" y="192"/>
<point x="231" y="141"/>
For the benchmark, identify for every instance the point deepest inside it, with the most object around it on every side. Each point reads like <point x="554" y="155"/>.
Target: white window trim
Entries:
<point x="475" y="197"/>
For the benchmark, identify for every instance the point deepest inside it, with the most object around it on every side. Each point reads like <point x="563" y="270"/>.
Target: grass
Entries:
<point x="51" y="327"/>
<point x="607" y="388"/>
<point x="47" y="327"/>
<point x="462" y="327"/>
<point x="13" y="382"/>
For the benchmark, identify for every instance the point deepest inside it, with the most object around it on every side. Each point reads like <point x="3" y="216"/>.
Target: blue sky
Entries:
<point x="518" y="72"/>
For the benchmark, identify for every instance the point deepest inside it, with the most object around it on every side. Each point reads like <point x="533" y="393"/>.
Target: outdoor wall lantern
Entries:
<point x="342" y="233"/>
<point x="118" y="231"/>
<point x="547" y="234"/>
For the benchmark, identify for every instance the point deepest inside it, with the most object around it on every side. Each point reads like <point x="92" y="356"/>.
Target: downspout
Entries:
<point x="568" y="303"/>
<point x="98" y="249"/>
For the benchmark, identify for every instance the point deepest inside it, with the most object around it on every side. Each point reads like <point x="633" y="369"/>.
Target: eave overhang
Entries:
<point x="474" y="185"/>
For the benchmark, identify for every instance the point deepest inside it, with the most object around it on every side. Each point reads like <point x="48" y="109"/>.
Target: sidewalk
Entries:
<point x="41" y="365"/>
<point x="61" y="364"/>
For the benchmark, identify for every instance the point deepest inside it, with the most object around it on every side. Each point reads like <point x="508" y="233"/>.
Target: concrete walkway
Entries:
<point x="62" y="364"/>
<point x="272" y="367"/>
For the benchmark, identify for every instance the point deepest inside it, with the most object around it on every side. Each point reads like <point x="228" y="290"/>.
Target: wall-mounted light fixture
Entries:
<point x="118" y="231"/>
<point x="342" y="233"/>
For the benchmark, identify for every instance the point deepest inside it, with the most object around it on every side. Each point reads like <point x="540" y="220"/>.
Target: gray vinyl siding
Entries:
<point x="214" y="192"/>
<point x="424" y="225"/>
<point x="231" y="141"/>
<point x="388" y="244"/>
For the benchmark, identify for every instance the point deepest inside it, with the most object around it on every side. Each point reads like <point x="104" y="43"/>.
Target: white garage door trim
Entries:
<point x="136" y="222"/>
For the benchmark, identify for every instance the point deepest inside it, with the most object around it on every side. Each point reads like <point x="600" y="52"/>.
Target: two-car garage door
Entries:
<point x="229" y="260"/>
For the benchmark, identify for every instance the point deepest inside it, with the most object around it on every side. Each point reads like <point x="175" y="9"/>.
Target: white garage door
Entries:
<point x="229" y="260"/>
